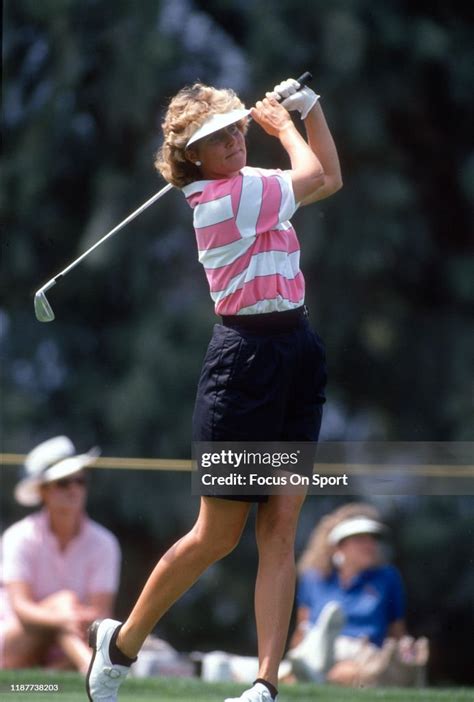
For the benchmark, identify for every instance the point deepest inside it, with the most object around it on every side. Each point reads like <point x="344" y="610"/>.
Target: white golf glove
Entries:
<point x="296" y="97"/>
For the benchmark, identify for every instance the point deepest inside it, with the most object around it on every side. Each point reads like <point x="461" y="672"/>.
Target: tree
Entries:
<point x="388" y="261"/>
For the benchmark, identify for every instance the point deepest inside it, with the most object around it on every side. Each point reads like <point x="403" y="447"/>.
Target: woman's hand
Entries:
<point x="61" y="611"/>
<point x="271" y="116"/>
<point x="71" y="615"/>
<point x="296" y="97"/>
<point x="307" y="174"/>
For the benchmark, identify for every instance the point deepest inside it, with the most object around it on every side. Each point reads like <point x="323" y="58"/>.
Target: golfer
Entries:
<point x="264" y="373"/>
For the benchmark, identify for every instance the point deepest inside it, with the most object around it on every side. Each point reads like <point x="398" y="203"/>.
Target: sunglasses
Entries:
<point x="73" y="480"/>
<point x="222" y="134"/>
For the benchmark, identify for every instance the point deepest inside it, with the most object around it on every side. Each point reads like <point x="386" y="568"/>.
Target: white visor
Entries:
<point x="216" y="122"/>
<point x="353" y="526"/>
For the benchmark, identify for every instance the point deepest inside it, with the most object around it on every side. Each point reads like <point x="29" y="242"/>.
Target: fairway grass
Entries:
<point x="71" y="689"/>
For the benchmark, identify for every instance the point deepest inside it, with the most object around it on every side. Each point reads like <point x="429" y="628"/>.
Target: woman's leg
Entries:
<point x="76" y="650"/>
<point x="28" y="646"/>
<point x="21" y="647"/>
<point x="216" y="532"/>
<point x="72" y="645"/>
<point x="276" y="525"/>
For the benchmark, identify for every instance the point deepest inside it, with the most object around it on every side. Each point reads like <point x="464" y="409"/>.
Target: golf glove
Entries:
<point x="296" y="98"/>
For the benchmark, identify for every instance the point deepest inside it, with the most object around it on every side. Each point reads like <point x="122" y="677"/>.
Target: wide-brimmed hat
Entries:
<point x="51" y="460"/>
<point x="354" y="526"/>
<point x="216" y="122"/>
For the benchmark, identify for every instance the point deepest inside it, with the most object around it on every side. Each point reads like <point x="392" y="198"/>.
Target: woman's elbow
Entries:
<point x="328" y="183"/>
<point x="327" y="187"/>
<point x="335" y="185"/>
<point x="318" y="179"/>
<point x="331" y="180"/>
<point x="331" y="186"/>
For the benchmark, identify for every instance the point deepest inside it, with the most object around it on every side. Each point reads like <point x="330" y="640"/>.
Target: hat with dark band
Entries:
<point x="51" y="460"/>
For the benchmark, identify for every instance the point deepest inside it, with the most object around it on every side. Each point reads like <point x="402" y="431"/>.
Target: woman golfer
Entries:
<point x="264" y="373"/>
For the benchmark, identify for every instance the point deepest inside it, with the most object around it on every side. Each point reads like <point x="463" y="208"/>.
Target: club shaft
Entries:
<point x="303" y="80"/>
<point x="113" y="231"/>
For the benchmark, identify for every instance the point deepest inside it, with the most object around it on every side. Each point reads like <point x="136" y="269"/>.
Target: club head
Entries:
<point x="43" y="310"/>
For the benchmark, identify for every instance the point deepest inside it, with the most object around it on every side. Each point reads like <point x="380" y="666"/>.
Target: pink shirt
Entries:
<point x="247" y="245"/>
<point x="90" y="564"/>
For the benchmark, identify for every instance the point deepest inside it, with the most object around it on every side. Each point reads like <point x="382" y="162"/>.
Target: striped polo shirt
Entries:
<point x="246" y="243"/>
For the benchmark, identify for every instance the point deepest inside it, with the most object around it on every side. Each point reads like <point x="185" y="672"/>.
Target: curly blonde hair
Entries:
<point x="319" y="552"/>
<point x="187" y="111"/>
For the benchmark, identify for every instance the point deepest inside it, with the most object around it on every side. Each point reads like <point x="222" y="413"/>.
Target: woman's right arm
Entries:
<point x="46" y="614"/>
<point x="307" y="174"/>
<point x="27" y="610"/>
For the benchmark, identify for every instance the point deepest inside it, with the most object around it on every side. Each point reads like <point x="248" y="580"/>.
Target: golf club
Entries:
<point x="43" y="310"/>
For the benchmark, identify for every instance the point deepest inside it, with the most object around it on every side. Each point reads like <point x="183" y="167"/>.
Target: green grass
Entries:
<point x="181" y="690"/>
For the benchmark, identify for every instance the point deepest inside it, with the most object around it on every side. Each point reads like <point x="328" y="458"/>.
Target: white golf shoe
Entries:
<point x="103" y="677"/>
<point x="314" y="656"/>
<point x="257" y="693"/>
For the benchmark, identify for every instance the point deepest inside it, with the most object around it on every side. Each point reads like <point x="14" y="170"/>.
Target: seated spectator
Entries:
<point x="350" y="627"/>
<point x="60" y="568"/>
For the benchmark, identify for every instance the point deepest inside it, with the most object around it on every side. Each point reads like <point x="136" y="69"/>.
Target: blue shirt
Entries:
<point x="371" y="601"/>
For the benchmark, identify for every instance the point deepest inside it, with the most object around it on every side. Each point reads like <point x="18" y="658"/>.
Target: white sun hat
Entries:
<point x="216" y="122"/>
<point x="51" y="460"/>
<point x="353" y="526"/>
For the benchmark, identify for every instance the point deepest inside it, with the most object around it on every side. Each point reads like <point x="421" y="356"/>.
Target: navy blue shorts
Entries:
<point x="261" y="382"/>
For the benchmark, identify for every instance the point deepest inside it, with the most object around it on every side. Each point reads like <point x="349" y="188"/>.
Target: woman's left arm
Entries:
<point x="322" y="144"/>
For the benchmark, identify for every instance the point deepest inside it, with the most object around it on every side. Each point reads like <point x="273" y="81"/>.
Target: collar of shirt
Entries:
<point x="356" y="582"/>
<point x="49" y="535"/>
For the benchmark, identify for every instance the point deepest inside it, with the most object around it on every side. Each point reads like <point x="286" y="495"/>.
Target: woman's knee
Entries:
<point x="22" y="647"/>
<point x="276" y="526"/>
<point x="216" y="545"/>
<point x="219" y="527"/>
<point x="275" y="541"/>
<point x="216" y="539"/>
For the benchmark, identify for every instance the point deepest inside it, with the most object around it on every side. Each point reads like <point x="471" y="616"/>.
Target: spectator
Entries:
<point x="60" y="568"/>
<point x="350" y="627"/>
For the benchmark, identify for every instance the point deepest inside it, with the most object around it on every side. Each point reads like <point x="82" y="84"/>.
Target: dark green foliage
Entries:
<point x="388" y="261"/>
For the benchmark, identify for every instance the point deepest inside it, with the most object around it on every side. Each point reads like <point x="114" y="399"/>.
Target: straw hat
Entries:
<point x="52" y="460"/>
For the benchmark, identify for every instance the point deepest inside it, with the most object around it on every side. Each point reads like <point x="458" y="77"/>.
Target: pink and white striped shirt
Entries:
<point x="246" y="243"/>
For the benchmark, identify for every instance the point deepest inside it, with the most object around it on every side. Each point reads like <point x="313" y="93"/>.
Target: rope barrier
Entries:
<point x="186" y="465"/>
